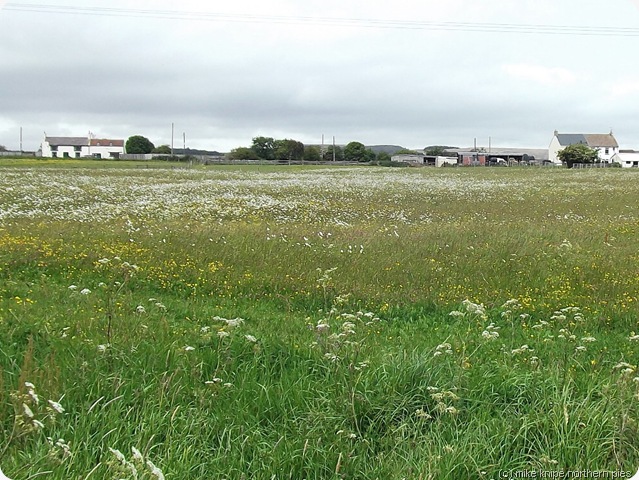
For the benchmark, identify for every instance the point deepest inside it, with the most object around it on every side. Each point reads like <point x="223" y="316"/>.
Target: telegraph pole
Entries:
<point x="172" y="133"/>
<point x="20" y="140"/>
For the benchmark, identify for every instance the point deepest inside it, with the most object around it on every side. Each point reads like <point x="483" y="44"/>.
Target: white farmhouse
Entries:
<point x="79" y="147"/>
<point x="604" y="143"/>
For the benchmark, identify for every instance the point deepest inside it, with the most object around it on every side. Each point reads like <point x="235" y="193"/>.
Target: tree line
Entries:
<point x="268" y="148"/>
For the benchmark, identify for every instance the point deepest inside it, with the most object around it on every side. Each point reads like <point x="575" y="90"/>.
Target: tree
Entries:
<point x="162" y="149"/>
<point x="406" y="151"/>
<point x="3" y="148"/>
<point x="288" y="149"/>
<point x="312" y="154"/>
<point x="264" y="147"/>
<point x="435" y="151"/>
<point x="243" y="153"/>
<point x="383" y="157"/>
<point x="357" y="152"/>
<point x="139" y="144"/>
<point x="328" y="154"/>
<point x="578" y="153"/>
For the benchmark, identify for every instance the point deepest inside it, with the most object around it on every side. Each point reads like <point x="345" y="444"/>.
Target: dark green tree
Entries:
<point x="162" y="149"/>
<point x="339" y="154"/>
<point x="435" y="151"/>
<point x="312" y="154"/>
<point x="288" y="149"/>
<point x="264" y="147"/>
<point x="243" y="153"/>
<point x="578" y="153"/>
<point x="383" y="157"/>
<point x="139" y="144"/>
<point x="357" y="152"/>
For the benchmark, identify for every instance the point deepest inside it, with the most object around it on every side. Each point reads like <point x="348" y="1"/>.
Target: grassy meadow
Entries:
<point x="316" y="323"/>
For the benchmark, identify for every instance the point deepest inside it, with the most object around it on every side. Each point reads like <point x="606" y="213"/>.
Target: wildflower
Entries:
<point x="31" y="392"/>
<point x="56" y="406"/>
<point x="421" y="413"/>
<point x="633" y="338"/>
<point x="456" y="314"/>
<point x="73" y="287"/>
<point x="251" y="338"/>
<point x="331" y="356"/>
<point x="522" y="349"/>
<point x="228" y="385"/>
<point x="234" y="322"/>
<point x="491" y="332"/>
<point x="85" y="291"/>
<point x="155" y="471"/>
<point x="37" y="424"/>
<point x="443" y="348"/>
<point x="137" y="456"/>
<point x="27" y="411"/>
<point x="223" y="334"/>
<point x="189" y="348"/>
<point x="102" y="348"/>
<point x="588" y="339"/>
<point x="580" y="348"/>
<point x="104" y="261"/>
<point x="118" y="454"/>
<point x="140" y="309"/>
<point x="322" y="327"/>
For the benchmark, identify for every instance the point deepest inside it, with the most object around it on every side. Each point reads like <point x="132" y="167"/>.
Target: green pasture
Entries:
<point x="274" y="322"/>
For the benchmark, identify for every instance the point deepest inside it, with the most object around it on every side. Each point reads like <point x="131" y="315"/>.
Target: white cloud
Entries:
<point x="549" y="76"/>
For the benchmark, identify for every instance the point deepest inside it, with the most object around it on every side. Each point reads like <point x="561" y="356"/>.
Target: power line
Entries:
<point x="534" y="29"/>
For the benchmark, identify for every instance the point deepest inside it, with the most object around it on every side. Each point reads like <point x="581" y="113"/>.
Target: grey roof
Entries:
<point x="566" y="139"/>
<point x="67" y="141"/>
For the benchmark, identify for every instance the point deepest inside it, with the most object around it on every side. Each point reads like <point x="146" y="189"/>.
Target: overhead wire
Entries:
<point x="511" y="28"/>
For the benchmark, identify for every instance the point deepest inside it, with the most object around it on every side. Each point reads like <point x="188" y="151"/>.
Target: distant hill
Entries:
<point x="390" y="149"/>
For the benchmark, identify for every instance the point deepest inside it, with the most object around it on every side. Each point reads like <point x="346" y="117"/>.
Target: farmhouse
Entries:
<point x="604" y="143"/>
<point x="78" y="147"/>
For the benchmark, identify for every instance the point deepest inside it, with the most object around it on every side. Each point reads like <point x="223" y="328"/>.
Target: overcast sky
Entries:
<point x="409" y="72"/>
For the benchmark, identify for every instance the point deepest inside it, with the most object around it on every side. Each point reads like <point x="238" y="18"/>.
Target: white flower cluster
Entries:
<point x="136" y="466"/>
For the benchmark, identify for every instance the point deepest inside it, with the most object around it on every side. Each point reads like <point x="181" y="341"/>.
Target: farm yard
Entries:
<point x="260" y="322"/>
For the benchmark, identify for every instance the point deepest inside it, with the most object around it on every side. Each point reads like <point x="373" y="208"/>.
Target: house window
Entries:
<point x="607" y="151"/>
<point x="66" y="155"/>
<point x="54" y="154"/>
<point x="77" y="154"/>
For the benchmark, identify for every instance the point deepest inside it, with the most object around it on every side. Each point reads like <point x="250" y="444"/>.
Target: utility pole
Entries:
<point x="172" y="133"/>
<point x="333" y="147"/>
<point x="21" y="140"/>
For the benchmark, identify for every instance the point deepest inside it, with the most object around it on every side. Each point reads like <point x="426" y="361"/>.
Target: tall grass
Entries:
<point x="317" y="323"/>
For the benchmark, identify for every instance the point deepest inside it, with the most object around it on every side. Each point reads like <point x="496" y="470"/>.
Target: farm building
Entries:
<point x="424" y="160"/>
<point x="626" y="159"/>
<point x="78" y="147"/>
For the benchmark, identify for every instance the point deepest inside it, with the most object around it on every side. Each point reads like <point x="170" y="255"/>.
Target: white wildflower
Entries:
<point x="588" y="339"/>
<point x="322" y="327"/>
<point x="73" y="287"/>
<point x="251" y="338"/>
<point x="223" y="334"/>
<point x="104" y="261"/>
<point x="118" y="454"/>
<point x="56" y="406"/>
<point x="633" y="338"/>
<point x="228" y="385"/>
<point x="580" y="348"/>
<point x="102" y="348"/>
<point x="140" y="309"/>
<point x="27" y="411"/>
<point x="85" y="291"/>
<point x="37" y="424"/>
<point x="137" y="456"/>
<point x="155" y="471"/>
<point x="189" y="348"/>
